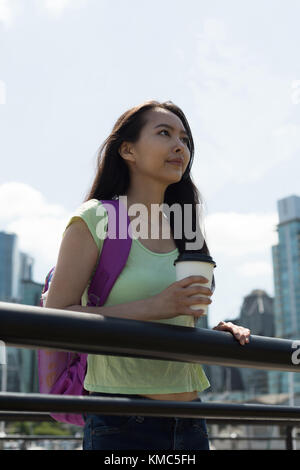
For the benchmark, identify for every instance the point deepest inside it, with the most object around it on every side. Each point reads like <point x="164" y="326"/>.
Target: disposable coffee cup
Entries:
<point x="195" y="264"/>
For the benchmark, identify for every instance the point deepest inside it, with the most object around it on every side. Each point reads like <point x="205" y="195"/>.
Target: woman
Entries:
<point x="137" y="160"/>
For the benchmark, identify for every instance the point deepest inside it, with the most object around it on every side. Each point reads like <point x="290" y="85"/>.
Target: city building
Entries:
<point x="257" y="314"/>
<point x="17" y="286"/>
<point x="9" y="267"/>
<point x="286" y="274"/>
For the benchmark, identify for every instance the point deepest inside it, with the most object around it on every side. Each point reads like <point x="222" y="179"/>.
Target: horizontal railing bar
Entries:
<point x="252" y="422"/>
<point x="125" y="406"/>
<point x="27" y="416"/>
<point x="28" y="326"/>
<point x="41" y="437"/>
<point x="253" y="439"/>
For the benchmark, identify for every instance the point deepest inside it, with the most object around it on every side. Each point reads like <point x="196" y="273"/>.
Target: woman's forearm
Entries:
<point x="143" y="310"/>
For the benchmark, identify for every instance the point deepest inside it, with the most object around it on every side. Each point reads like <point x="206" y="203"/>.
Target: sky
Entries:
<point x="70" y="68"/>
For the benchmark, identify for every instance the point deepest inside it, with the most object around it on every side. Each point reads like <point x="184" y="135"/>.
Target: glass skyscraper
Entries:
<point x="286" y="271"/>
<point x="17" y="286"/>
<point x="9" y="267"/>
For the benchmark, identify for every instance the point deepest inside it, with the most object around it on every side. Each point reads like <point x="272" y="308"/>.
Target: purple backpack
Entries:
<point x="63" y="373"/>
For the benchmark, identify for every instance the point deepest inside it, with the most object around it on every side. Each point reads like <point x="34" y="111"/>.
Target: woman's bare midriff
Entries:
<point x="184" y="396"/>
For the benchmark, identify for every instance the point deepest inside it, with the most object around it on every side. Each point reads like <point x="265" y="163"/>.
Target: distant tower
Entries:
<point x="286" y="272"/>
<point x="257" y="314"/>
<point x="9" y="267"/>
<point x="17" y="286"/>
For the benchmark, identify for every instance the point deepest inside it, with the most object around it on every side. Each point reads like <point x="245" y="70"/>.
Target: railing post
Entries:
<point x="289" y="438"/>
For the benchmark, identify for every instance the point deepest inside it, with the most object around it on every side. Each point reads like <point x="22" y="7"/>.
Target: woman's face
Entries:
<point x="162" y="139"/>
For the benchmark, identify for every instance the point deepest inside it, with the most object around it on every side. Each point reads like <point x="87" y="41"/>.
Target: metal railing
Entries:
<point x="285" y="440"/>
<point x="36" y="327"/>
<point x="26" y="326"/>
<point x="32" y="402"/>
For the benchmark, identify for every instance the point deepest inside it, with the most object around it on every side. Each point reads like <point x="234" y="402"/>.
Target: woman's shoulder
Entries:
<point x="93" y="213"/>
<point x="93" y="204"/>
<point x="89" y="205"/>
<point x="91" y="208"/>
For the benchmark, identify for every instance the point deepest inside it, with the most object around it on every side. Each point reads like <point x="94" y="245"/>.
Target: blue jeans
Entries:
<point x="113" y="432"/>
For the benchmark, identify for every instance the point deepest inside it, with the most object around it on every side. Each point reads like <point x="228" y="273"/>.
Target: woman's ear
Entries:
<point x="126" y="152"/>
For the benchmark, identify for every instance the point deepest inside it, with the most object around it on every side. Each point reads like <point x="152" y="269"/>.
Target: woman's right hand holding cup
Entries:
<point x="178" y="298"/>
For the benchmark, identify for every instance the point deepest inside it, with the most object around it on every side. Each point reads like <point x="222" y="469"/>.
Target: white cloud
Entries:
<point x="38" y="224"/>
<point x="57" y="7"/>
<point x="235" y="235"/>
<point x="5" y="12"/>
<point x="22" y="201"/>
<point x="255" y="269"/>
<point x="2" y="92"/>
<point x="295" y="91"/>
<point x="8" y="11"/>
<point x="241" y="246"/>
<point x="242" y="114"/>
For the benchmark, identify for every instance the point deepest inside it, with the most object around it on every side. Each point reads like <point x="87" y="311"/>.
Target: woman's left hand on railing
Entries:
<point x="239" y="332"/>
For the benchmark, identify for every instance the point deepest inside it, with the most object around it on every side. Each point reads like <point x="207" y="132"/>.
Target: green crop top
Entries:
<point x="145" y="274"/>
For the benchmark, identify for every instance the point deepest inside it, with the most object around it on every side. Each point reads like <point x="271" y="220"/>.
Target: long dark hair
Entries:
<point x="113" y="178"/>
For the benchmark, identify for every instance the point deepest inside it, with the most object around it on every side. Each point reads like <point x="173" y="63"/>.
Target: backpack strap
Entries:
<point x="114" y="254"/>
